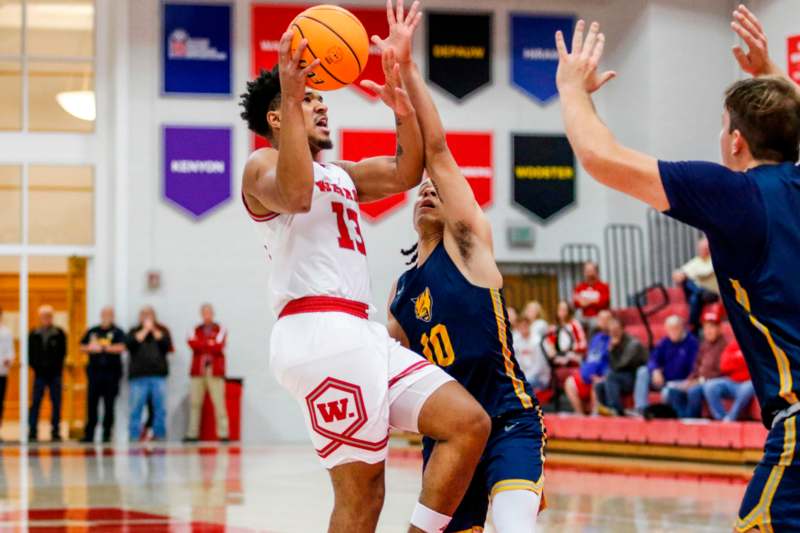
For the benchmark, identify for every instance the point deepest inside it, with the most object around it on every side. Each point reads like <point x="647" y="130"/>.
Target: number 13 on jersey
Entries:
<point x="437" y="346"/>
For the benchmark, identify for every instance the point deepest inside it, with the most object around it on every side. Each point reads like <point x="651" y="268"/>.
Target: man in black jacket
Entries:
<point x="104" y="343"/>
<point x="47" y="349"/>
<point x="148" y="345"/>
<point x="625" y="355"/>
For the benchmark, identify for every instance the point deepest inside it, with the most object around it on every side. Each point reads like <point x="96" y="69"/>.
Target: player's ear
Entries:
<point x="274" y="119"/>
<point x="738" y="143"/>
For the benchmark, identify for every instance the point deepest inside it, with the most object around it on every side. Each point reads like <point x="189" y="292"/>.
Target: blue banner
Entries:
<point x="196" y="51"/>
<point x="534" y="58"/>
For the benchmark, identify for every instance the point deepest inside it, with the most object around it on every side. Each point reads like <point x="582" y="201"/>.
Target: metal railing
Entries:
<point x="573" y="256"/>
<point x="672" y="244"/>
<point x="646" y="308"/>
<point x="625" y="262"/>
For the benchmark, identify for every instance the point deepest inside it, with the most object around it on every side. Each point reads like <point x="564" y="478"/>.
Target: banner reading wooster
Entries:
<point x="197" y="167"/>
<point x="543" y="174"/>
<point x="534" y="58"/>
<point x="459" y="51"/>
<point x="196" y="52"/>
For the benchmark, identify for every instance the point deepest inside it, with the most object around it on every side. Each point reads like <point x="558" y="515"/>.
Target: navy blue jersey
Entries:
<point x="752" y="220"/>
<point x="465" y="330"/>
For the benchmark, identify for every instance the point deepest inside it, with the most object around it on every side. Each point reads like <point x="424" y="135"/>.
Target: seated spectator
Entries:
<point x="535" y="315"/>
<point x="625" y="355"/>
<point x="686" y="396"/>
<point x="513" y="316"/>
<point x="733" y="383"/>
<point x="565" y="343"/>
<point x="698" y="282"/>
<point x="672" y="360"/>
<point x="590" y="295"/>
<point x="579" y="386"/>
<point x="207" y="374"/>
<point x="148" y="344"/>
<point x="531" y="358"/>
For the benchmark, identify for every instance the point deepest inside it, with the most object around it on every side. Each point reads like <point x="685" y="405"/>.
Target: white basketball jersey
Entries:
<point x="322" y="252"/>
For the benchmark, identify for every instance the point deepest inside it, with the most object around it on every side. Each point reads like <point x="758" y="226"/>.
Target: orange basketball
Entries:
<point x="338" y="39"/>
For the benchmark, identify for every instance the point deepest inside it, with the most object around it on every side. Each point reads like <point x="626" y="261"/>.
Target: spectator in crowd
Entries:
<point x="531" y="358"/>
<point x="47" y="350"/>
<point x="733" y="383"/>
<point x="686" y="396"/>
<point x="104" y="345"/>
<point x="6" y="358"/>
<point x="148" y="344"/>
<point x="513" y="316"/>
<point x="625" y="355"/>
<point x="698" y="282"/>
<point x="535" y="314"/>
<point x="579" y="386"/>
<point x="565" y="344"/>
<point x="207" y="374"/>
<point x="672" y="360"/>
<point x="591" y="295"/>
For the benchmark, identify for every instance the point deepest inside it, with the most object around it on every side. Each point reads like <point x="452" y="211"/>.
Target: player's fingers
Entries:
<point x="746" y="36"/>
<point x="380" y="43"/>
<point x="298" y="54"/>
<point x="597" y="53"/>
<point x="591" y="39"/>
<point x="311" y="66"/>
<point x="412" y="13"/>
<point x="561" y="46"/>
<point x="390" y="12"/>
<point x="285" y="43"/>
<point x="372" y="86"/>
<point x="752" y="28"/>
<point x="400" y="11"/>
<point x="741" y="57"/>
<point x="605" y="77"/>
<point x="577" y="37"/>
<point x="750" y="16"/>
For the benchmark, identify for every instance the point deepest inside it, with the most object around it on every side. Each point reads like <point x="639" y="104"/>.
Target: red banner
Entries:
<point x="793" y="55"/>
<point x="268" y="22"/>
<point x="473" y="153"/>
<point x="355" y="145"/>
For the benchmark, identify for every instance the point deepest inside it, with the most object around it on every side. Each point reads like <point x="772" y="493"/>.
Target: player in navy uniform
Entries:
<point x="450" y="309"/>
<point x="749" y="208"/>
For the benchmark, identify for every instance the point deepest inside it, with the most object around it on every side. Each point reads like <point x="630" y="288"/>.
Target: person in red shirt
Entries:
<point x="591" y="295"/>
<point x="735" y="383"/>
<point x="208" y="374"/>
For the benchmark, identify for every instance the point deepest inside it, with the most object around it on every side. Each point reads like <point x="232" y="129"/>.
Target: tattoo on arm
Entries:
<point x="399" y="152"/>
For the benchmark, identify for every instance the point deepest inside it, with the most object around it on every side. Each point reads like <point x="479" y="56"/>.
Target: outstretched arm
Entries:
<point x="755" y="61"/>
<point x="379" y="177"/>
<point x="603" y="157"/>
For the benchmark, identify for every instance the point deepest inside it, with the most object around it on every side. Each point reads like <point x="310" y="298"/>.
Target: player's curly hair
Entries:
<point x="411" y="252"/>
<point x="262" y="96"/>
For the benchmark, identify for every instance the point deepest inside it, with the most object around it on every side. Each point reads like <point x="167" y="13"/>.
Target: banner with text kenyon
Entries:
<point x="196" y="53"/>
<point x="197" y="167"/>
<point x="534" y="58"/>
<point x="459" y="51"/>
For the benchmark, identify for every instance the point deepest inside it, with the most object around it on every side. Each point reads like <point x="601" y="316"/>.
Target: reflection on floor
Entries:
<point x="282" y="489"/>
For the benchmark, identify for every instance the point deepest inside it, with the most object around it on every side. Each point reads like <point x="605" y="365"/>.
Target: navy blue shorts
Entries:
<point x="513" y="460"/>
<point x="772" y="499"/>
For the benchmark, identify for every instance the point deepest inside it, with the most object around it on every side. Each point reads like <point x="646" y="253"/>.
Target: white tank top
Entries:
<point x="322" y="252"/>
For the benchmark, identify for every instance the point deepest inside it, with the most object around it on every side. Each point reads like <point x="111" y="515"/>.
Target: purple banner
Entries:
<point x="197" y="167"/>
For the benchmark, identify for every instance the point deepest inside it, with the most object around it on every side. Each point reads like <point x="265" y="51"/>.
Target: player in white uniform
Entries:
<point x="351" y="379"/>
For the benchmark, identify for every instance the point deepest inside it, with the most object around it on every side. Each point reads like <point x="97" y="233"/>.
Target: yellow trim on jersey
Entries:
<point x="475" y="529"/>
<point x="782" y="361"/>
<point x="760" y="516"/>
<point x="519" y="387"/>
<point x="518" y="484"/>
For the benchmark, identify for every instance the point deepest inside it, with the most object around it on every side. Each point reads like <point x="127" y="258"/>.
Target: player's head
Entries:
<point x="760" y="123"/>
<point x="261" y="110"/>
<point x="427" y="210"/>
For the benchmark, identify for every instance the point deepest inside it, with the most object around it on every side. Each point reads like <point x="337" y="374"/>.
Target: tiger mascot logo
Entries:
<point x="423" y="305"/>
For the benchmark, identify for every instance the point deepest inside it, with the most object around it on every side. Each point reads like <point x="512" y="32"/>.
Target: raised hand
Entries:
<point x="578" y="69"/>
<point x="755" y="61"/>
<point x="392" y="92"/>
<point x="401" y="30"/>
<point x="293" y="73"/>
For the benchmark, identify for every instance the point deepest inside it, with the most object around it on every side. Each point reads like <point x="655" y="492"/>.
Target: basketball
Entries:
<point x="338" y="39"/>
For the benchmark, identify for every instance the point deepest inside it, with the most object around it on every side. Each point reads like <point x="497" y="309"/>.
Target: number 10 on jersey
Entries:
<point x="437" y="346"/>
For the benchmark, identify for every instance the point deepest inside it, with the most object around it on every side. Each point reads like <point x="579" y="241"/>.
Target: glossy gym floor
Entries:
<point x="282" y="489"/>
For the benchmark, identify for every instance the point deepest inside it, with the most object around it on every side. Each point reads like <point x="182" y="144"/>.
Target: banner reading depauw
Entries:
<point x="459" y="51"/>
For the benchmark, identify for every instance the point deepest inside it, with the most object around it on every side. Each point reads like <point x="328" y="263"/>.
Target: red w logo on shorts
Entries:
<point x="334" y="409"/>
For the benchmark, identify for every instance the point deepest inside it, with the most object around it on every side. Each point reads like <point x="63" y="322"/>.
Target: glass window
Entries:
<point x="11" y="200"/>
<point x="10" y="95"/>
<point x="61" y="97"/>
<point x="60" y="28"/>
<point x="61" y="204"/>
<point x="10" y="27"/>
